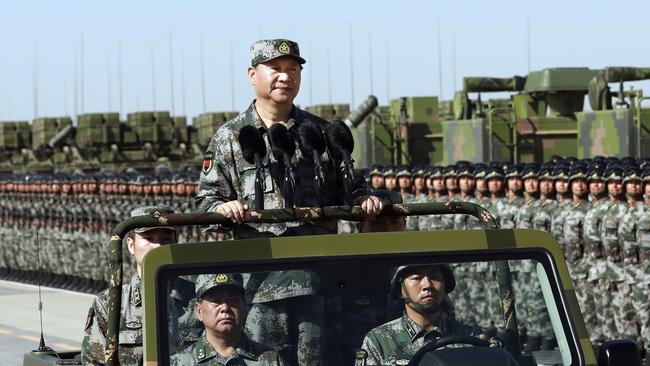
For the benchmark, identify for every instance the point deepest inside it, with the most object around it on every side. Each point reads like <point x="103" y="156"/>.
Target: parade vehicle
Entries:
<point x="496" y="271"/>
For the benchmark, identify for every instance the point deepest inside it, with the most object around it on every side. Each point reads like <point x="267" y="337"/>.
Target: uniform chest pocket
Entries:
<point x="610" y="226"/>
<point x="247" y="182"/>
<point x="130" y="336"/>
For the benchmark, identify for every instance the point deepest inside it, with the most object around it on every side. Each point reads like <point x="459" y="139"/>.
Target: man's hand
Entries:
<point x="371" y="206"/>
<point x="233" y="210"/>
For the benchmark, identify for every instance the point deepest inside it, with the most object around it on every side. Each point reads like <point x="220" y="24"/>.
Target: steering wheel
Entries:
<point x="445" y="341"/>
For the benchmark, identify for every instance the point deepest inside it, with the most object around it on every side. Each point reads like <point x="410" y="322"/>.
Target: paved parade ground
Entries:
<point x="64" y="314"/>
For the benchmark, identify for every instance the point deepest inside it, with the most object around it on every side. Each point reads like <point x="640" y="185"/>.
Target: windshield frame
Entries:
<point x="270" y="253"/>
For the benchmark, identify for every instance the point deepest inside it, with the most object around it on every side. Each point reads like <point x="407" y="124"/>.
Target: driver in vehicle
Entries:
<point x="220" y="307"/>
<point x="426" y="316"/>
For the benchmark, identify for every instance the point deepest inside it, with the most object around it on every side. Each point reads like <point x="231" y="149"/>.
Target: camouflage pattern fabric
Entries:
<point x="412" y="223"/>
<point x="511" y="205"/>
<point x="432" y="222"/>
<point x="247" y="353"/>
<point x="557" y="223"/>
<point x="642" y="287"/>
<point x="526" y="213"/>
<point x="398" y="340"/>
<point x="544" y="216"/>
<point x="269" y="49"/>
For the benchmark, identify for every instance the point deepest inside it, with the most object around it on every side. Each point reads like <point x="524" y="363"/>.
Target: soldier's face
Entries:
<point x="221" y="310"/>
<point x="646" y="189"/>
<point x="377" y="181"/>
<point x="141" y="243"/>
<point x="495" y="185"/>
<point x="579" y="187"/>
<point x="633" y="187"/>
<point x="481" y="186"/>
<point x="615" y="187"/>
<point x="155" y="188"/>
<point x="450" y="183"/>
<point x="424" y="284"/>
<point x="531" y="185"/>
<point x="405" y="182"/>
<point x="180" y="188"/>
<point x="277" y="80"/>
<point x="514" y="184"/>
<point x="466" y="184"/>
<point x="146" y="188"/>
<point x="121" y="188"/>
<point x="418" y="183"/>
<point x="390" y="182"/>
<point x="546" y="186"/>
<point x="562" y="186"/>
<point x="438" y="184"/>
<point x="165" y="188"/>
<point x="596" y="187"/>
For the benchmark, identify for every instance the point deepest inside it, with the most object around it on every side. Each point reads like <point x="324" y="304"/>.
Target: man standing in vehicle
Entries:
<point x="422" y="288"/>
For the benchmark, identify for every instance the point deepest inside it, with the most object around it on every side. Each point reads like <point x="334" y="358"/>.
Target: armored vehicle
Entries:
<point x="493" y="277"/>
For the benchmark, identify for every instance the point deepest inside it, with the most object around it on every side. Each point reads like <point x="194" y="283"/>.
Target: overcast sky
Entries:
<point x="401" y="38"/>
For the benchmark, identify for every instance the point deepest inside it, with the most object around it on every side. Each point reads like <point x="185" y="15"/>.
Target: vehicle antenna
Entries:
<point x="35" y="79"/>
<point x="439" y="61"/>
<point x="41" y="344"/>
<point x="329" y="77"/>
<point x="171" y="69"/>
<point x="453" y="58"/>
<point x="232" y="81"/>
<point x="108" y="82"/>
<point x="81" y="73"/>
<point x="351" y="70"/>
<point x="202" y="72"/>
<point x="311" y="79"/>
<point x="370" y="60"/>
<point x="387" y="71"/>
<point x="153" y="79"/>
<point x="528" y="41"/>
<point x="119" y="72"/>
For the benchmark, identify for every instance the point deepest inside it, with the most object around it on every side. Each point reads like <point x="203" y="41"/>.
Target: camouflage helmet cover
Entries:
<point x="269" y="49"/>
<point x="154" y="211"/>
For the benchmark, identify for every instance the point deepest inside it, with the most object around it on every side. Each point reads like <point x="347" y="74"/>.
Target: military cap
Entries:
<point x="555" y="159"/>
<point x="375" y="170"/>
<point x="545" y="173"/>
<point x="628" y="160"/>
<point x="465" y="171"/>
<point x="269" y="49"/>
<point x="403" y="170"/>
<point x="154" y="211"/>
<point x="141" y="179"/>
<point x="571" y="160"/>
<point x="595" y="174"/>
<point x="494" y="172"/>
<point x="529" y="172"/>
<point x="599" y="158"/>
<point x="178" y="178"/>
<point x="611" y="160"/>
<point x="398" y="277"/>
<point x="561" y="172"/>
<point x="450" y="171"/>
<point x="513" y="171"/>
<point x="577" y="172"/>
<point x="388" y="170"/>
<point x="460" y="163"/>
<point x="645" y="175"/>
<point x="418" y="170"/>
<point x="613" y="173"/>
<point x="436" y="172"/>
<point x="207" y="282"/>
<point x="480" y="170"/>
<point x="631" y="174"/>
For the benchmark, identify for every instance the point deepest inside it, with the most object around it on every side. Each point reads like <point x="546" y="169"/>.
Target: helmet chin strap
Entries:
<point x="428" y="307"/>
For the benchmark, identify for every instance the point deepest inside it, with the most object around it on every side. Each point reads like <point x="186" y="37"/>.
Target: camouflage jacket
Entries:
<point x="643" y="240"/>
<point x="93" y="345"/>
<point x="462" y="222"/>
<point x="431" y="222"/>
<point x="609" y="230"/>
<point x="627" y="233"/>
<point x="543" y="217"/>
<point x="248" y="353"/>
<point x="398" y="340"/>
<point x="591" y="228"/>
<point x="227" y="176"/>
<point x="526" y="213"/>
<point x="511" y="205"/>
<point x="412" y="222"/>
<point x="557" y="222"/>
<point x="448" y="220"/>
<point x="572" y="232"/>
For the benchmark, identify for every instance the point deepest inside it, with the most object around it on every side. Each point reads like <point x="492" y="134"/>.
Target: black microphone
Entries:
<point x="312" y="143"/>
<point x="254" y="150"/>
<point x="283" y="147"/>
<point x="341" y="145"/>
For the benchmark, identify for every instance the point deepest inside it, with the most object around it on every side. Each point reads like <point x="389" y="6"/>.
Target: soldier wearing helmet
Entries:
<point x="423" y="290"/>
<point x="221" y="307"/>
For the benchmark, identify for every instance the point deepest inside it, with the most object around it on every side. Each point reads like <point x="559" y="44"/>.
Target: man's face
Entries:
<point x="146" y="188"/>
<point x="155" y="188"/>
<point x="597" y="187"/>
<point x="579" y="187"/>
<point x="633" y="187"/>
<point x="514" y="184"/>
<point x="615" y="187"/>
<point x="451" y="183"/>
<point x="646" y="189"/>
<point x="390" y="182"/>
<point x="141" y="243"/>
<point x="418" y="183"/>
<point x="531" y="185"/>
<point x="481" y="185"/>
<point x="562" y="186"/>
<point x="121" y="188"/>
<point x="221" y="310"/>
<point x="423" y="285"/>
<point x="377" y="181"/>
<point x="404" y="182"/>
<point x="495" y="185"/>
<point x="466" y="184"/>
<point x="180" y="189"/>
<point x="277" y="80"/>
<point x="438" y="184"/>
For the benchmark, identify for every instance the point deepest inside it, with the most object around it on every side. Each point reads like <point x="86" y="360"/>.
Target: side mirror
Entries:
<point x="619" y="352"/>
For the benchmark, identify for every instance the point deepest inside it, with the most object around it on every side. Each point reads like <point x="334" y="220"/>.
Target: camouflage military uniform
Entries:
<point x="557" y="223"/>
<point x="643" y="285"/>
<point x="544" y="215"/>
<point x="432" y="222"/>
<point x="226" y="176"/>
<point x="412" y="223"/>
<point x="248" y="353"/>
<point x="93" y="345"/>
<point x="401" y="338"/>
<point x="511" y="205"/>
<point x="526" y="214"/>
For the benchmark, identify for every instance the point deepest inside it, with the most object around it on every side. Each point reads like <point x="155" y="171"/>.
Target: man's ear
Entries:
<point x="251" y="75"/>
<point x="130" y="244"/>
<point x="197" y="309"/>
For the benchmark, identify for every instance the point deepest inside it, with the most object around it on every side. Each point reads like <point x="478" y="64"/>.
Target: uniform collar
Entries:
<point x="415" y="331"/>
<point x="203" y="350"/>
<point x="293" y="116"/>
<point x="135" y="285"/>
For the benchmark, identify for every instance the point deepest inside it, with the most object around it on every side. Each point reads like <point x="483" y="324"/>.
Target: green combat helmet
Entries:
<point x="398" y="278"/>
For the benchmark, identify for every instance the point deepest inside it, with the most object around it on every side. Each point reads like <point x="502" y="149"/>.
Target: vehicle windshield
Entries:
<point x="357" y="310"/>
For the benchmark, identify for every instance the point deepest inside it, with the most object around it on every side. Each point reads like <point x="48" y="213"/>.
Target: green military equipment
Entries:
<point x="330" y="111"/>
<point x="206" y="125"/>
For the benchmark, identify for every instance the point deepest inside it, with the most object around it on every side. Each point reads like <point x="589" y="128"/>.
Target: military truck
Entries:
<point x="352" y="274"/>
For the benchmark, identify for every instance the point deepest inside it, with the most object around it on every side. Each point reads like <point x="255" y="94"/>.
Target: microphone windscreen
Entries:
<point x="251" y="142"/>
<point x="339" y="138"/>
<point x="281" y="141"/>
<point x="310" y="139"/>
